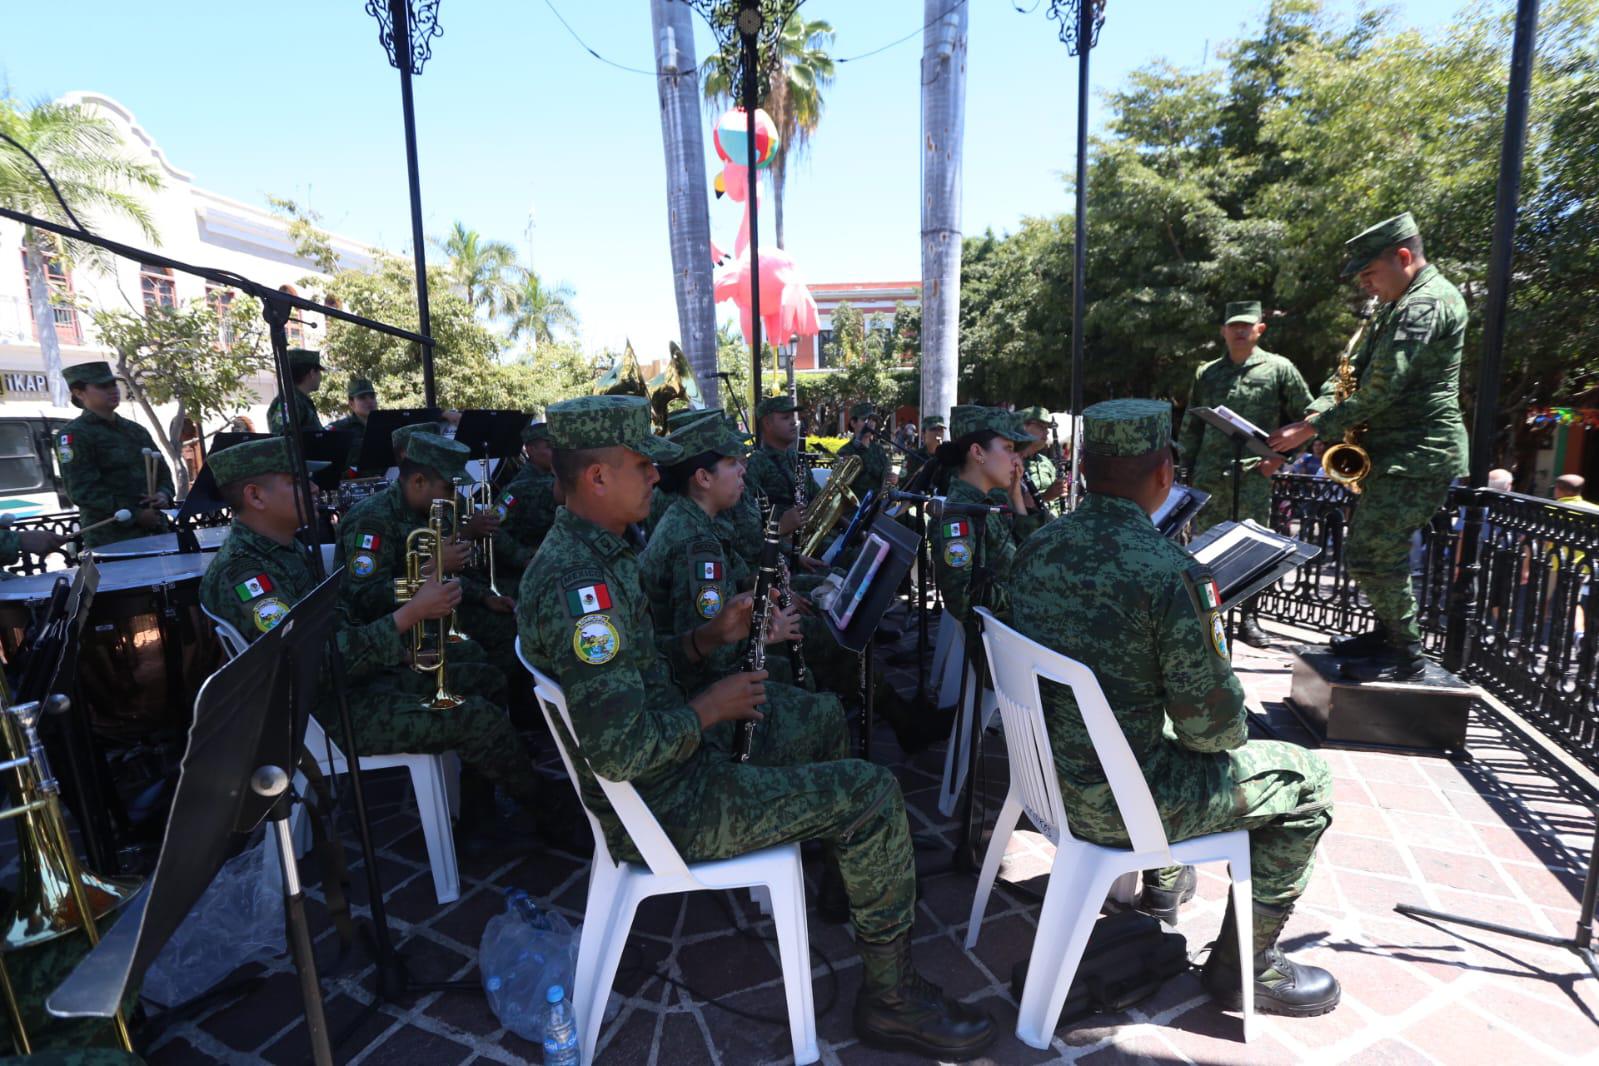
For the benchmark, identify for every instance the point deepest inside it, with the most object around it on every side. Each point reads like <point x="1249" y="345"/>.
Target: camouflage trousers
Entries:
<point x="1377" y="546"/>
<point x="38" y="971"/>
<point x="386" y="710"/>
<point x="800" y="785"/>
<point x="1254" y="499"/>
<point x="495" y="634"/>
<point x="1279" y="792"/>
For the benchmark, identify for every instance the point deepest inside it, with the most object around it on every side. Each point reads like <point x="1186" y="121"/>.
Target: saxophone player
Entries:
<point x="774" y="467"/>
<point x="1407" y="398"/>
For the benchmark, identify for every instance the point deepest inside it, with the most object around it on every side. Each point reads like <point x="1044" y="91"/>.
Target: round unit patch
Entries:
<point x="595" y="640"/>
<point x="268" y="613"/>
<point x="1218" y="635"/>
<point x="499" y="511"/>
<point x="957" y="554"/>
<point x="362" y="564"/>
<point x="709" y="601"/>
<point x="65" y="451"/>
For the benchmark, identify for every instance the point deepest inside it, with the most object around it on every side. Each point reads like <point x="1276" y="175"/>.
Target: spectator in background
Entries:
<point x="1502" y="480"/>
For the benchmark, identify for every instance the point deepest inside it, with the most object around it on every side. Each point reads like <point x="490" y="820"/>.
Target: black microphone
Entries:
<point x="939" y="506"/>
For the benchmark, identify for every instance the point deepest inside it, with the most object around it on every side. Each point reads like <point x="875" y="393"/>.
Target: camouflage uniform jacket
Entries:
<point x="357" y="429"/>
<point x="1042" y="471"/>
<point x="1408" y="372"/>
<point x="1265" y="388"/>
<point x="954" y="551"/>
<point x="688" y="576"/>
<point x="1105" y="588"/>
<point x="253" y="581"/>
<point x="918" y="458"/>
<point x="527" y="509"/>
<point x="772" y="471"/>
<point x="10" y="546"/>
<point x="103" y="465"/>
<point x="874" y="465"/>
<point x="585" y="621"/>
<point x="372" y="551"/>
<point x="277" y="422"/>
<point x="741" y="526"/>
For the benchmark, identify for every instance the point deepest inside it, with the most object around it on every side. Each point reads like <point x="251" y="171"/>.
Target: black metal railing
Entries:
<point x="66" y="524"/>
<point x="1532" y="637"/>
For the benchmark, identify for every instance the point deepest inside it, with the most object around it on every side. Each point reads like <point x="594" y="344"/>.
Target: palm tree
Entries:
<point x="482" y="269"/>
<point x="797" y="73"/>
<point x="538" y="310"/>
<point x="96" y="176"/>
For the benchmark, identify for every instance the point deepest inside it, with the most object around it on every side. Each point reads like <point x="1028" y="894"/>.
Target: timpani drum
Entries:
<point x="210" y="538"/>
<point x="146" y="647"/>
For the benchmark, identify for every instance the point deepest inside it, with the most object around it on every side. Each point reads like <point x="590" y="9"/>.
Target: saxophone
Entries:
<point x="1348" y="463"/>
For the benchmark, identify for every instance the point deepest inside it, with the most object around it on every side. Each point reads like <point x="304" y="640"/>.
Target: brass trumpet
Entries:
<point x="481" y="496"/>
<point x="54" y="896"/>
<point x="429" y="656"/>
<point x="1348" y="463"/>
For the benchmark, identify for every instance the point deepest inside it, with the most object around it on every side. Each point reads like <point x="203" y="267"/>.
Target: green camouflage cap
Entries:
<point x="932" y="422"/>
<point x="1033" y="414"/>
<point x="401" y="436"/>
<point x="709" y="435"/>
<point x="1243" y="311"/>
<point x="775" y="405"/>
<point x="863" y="410"/>
<point x="535" y="431"/>
<point x="359" y="387"/>
<point x="607" y="422"/>
<point x="299" y="357"/>
<point x="89" y="374"/>
<point x="1362" y="249"/>
<point x="446" y="456"/>
<point x="968" y="418"/>
<point x="254" y="458"/>
<point x="680" y="418"/>
<point x="1126" y="427"/>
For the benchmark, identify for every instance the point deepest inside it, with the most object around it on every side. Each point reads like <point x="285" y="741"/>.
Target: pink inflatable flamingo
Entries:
<point x="787" y="307"/>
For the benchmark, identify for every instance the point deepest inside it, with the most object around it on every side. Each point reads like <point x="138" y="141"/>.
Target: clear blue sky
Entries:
<point x="516" y="122"/>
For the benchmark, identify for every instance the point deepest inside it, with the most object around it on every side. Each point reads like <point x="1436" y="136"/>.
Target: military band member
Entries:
<point x="931" y="436"/>
<point x="986" y="472"/>
<point x="103" y="458"/>
<point x="877" y="470"/>
<point x="585" y="621"/>
<point x="526" y="507"/>
<point x="1408" y="398"/>
<point x="362" y="400"/>
<point x="305" y="371"/>
<point x="1047" y="480"/>
<point x="774" y="469"/>
<point x="1260" y="386"/>
<point x="1105" y="588"/>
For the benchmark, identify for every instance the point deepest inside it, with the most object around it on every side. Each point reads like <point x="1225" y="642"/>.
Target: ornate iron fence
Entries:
<point x="66" y="524"/>
<point x="1531" y="638"/>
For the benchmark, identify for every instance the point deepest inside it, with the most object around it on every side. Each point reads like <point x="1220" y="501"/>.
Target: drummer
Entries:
<point x="103" y="461"/>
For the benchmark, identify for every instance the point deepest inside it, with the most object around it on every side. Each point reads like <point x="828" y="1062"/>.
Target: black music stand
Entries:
<point x="377" y="447"/>
<point x="1183" y="503"/>
<point x="491" y="435"/>
<point x="249" y="723"/>
<point x="1245" y="558"/>
<point x="876" y="596"/>
<point x="330" y="446"/>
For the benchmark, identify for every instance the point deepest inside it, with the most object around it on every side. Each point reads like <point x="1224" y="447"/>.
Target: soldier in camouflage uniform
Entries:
<point x="260" y="573"/>
<point x="876" y="468"/>
<point x="526" y="508"/>
<point x="773" y="469"/>
<point x="1408" y="398"/>
<point x="1260" y="386"/>
<point x="986" y="473"/>
<point x="932" y="436"/>
<point x="586" y="622"/>
<point x="401" y="436"/>
<point x="1104" y="587"/>
<point x="102" y="461"/>
<point x="1040" y="470"/>
<point x="362" y="400"/>
<point x="305" y="367"/>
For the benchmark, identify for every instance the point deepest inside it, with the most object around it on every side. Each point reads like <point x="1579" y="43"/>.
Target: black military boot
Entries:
<point x="1362" y="645"/>
<point x="1399" y="662"/>
<point x="832" y="900"/>
<point x="1250" y="633"/>
<point x="900" y="1010"/>
<point x="1161" y="902"/>
<point x="1282" y="986"/>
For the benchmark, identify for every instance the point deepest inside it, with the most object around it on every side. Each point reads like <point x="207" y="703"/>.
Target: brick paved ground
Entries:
<point x="1498" y="836"/>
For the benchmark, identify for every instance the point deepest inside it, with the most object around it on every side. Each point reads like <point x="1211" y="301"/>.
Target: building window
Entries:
<point x="294" y="328"/>
<point x="156" y="283"/>
<point x="61" y="309"/>
<point x="220" y="300"/>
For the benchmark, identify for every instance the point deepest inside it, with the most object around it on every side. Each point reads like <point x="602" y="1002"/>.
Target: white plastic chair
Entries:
<point x="434" y="778"/>
<point x="957" y="754"/>
<point x="1082" y="872"/>
<point x="617" y="888"/>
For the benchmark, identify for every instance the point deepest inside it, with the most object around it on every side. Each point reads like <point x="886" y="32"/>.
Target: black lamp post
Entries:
<point x="1080" y="21"/>
<point x="406" y="29"/>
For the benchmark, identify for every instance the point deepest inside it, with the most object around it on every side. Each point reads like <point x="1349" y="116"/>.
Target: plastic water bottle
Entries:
<point x="560" y="1030"/>
<point x="525" y="906"/>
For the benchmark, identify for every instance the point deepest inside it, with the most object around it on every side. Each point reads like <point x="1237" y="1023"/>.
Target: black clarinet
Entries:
<point x="760" y="615"/>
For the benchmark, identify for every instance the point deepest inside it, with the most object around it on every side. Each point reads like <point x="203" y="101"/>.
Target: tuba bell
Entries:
<point x="1347" y="462"/>
<point x="675" y="382"/>
<point x="829" y="505"/>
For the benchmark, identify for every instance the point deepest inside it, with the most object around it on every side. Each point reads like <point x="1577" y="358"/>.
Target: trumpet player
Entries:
<point x="1407" y="399"/>
<point x="1260" y="386"/>
<point x="104" y="462"/>
<point x="525" y="508"/>
<point x="261" y="572"/>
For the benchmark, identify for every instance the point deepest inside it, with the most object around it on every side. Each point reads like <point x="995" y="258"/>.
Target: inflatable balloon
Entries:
<point x="732" y="139"/>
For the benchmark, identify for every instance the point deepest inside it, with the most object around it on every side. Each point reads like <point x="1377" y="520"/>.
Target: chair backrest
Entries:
<point x="646" y="833"/>
<point x="1016" y="664"/>
<point x="233" y="641"/>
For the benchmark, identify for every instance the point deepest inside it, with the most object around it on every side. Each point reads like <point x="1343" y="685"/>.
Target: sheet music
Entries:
<point x="1241" y="553"/>
<point x="1240" y="423"/>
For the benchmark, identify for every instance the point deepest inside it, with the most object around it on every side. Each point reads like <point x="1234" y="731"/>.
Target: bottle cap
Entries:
<point x="555" y="994"/>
